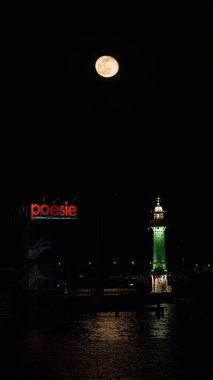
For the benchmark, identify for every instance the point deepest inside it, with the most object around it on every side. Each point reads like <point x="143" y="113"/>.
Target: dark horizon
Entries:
<point x="121" y="226"/>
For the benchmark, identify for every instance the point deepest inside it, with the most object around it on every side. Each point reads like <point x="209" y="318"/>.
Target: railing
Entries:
<point x="158" y="222"/>
<point x="36" y="279"/>
<point x="35" y="250"/>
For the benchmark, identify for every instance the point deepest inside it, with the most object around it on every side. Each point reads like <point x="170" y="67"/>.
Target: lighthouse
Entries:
<point x="158" y="224"/>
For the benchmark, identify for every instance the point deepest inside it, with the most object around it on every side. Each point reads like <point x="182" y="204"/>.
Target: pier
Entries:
<point x="53" y="304"/>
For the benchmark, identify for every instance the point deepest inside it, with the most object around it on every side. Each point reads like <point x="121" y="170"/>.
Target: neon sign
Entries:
<point x="45" y="211"/>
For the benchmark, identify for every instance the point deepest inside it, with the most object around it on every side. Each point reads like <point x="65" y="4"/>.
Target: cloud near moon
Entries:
<point x="106" y="66"/>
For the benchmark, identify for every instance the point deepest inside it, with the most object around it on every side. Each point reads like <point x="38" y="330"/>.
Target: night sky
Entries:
<point x="115" y="143"/>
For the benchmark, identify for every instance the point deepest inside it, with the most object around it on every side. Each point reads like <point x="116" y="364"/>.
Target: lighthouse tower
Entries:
<point x="159" y="267"/>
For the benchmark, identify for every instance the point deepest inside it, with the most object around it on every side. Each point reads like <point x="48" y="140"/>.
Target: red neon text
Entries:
<point x="53" y="211"/>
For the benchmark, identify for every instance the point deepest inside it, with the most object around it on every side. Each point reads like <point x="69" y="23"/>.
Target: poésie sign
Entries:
<point x="45" y="211"/>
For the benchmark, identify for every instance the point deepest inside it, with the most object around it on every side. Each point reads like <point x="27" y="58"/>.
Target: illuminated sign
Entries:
<point x="53" y="211"/>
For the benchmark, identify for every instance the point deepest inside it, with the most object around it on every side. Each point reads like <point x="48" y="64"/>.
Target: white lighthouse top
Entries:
<point x="158" y="207"/>
<point x="158" y="211"/>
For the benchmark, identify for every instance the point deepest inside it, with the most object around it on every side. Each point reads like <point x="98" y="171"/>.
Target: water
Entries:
<point x="127" y="347"/>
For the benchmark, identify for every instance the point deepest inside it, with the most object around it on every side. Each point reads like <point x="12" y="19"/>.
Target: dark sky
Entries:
<point x="69" y="132"/>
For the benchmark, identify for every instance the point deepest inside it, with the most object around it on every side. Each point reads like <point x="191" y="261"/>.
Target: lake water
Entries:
<point x="131" y="346"/>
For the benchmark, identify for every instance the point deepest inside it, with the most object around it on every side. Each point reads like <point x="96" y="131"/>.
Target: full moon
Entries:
<point x="106" y="66"/>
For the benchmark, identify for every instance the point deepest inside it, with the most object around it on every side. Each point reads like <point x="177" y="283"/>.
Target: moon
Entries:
<point x="106" y="66"/>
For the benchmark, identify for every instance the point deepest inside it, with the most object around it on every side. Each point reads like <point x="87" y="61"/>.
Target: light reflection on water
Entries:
<point x="130" y="347"/>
